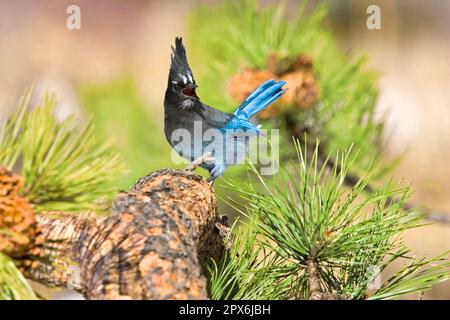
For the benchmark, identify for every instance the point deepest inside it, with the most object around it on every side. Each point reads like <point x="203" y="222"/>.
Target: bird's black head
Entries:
<point x="181" y="81"/>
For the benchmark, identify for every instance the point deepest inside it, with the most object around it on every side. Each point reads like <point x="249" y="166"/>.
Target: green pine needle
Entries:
<point x="13" y="286"/>
<point x="242" y="274"/>
<point x="308" y="213"/>
<point x="224" y="39"/>
<point x="419" y="275"/>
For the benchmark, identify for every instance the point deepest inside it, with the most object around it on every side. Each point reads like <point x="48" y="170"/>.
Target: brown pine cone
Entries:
<point x="10" y="183"/>
<point x="242" y="84"/>
<point x="281" y="65"/>
<point x="303" y="89"/>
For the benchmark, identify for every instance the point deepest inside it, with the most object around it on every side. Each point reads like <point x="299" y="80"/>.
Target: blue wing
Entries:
<point x="238" y="126"/>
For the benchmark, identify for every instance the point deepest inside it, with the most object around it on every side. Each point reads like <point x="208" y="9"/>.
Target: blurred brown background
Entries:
<point x="411" y="53"/>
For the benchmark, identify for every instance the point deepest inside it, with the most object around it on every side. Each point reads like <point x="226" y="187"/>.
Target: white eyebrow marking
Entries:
<point x="183" y="77"/>
<point x="174" y="82"/>
<point x="190" y="77"/>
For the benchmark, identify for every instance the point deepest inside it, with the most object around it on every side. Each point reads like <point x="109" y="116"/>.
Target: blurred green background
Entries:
<point x="119" y="111"/>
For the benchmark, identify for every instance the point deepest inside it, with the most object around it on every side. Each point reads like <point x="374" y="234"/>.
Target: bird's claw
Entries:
<point x="211" y="181"/>
<point x="216" y="172"/>
<point x="200" y="160"/>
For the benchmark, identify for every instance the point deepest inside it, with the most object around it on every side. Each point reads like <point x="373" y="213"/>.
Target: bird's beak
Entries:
<point x="192" y="87"/>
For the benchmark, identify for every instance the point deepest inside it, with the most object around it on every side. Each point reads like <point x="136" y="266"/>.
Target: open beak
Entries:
<point x="189" y="90"/>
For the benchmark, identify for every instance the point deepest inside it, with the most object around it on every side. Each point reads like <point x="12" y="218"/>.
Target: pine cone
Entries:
<point x="242" y="84"/>
<point x="20" y="237"/>
<point x="280" y="65"/>
<point x="303" y="90"/>
<point x="297" y="71"/>
<point x="303" y="62"/>
<point x="10" y="183"/>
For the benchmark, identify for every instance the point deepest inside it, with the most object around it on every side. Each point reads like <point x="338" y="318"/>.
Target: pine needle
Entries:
<point x="13" y="286"/>
<point x="64" y="165"/>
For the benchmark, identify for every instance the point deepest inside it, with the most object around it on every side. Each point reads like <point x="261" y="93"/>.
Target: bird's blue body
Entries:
<point x="194" y="128"/>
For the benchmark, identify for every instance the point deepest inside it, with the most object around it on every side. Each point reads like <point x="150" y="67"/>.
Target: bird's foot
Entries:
<point x="200" y="160"/>
<point x="216" y="172"/>
<point x="211" y="181"/>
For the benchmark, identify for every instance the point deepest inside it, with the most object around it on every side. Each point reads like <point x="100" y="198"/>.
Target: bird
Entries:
<point x="197" y="131"/>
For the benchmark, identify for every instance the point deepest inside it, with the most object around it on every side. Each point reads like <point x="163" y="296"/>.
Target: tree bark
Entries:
<point x="148" y="248"/>
<point x="315" y="289"/>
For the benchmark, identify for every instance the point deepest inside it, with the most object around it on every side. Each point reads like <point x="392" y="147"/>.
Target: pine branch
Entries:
<point x="313" y="280"/>
<point x="241" y="274"/>
<point x="418" y="276"/>
<point x="328" y="238"/>
<point x="147" y="249"/>
<point x="315" y="290"/>
<point x="63" y="163"/>
<point x="344" y="114"/>
<point x="351" y="179"/>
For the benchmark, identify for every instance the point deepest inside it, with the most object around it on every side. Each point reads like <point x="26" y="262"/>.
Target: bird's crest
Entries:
<point x="180" y="72"/>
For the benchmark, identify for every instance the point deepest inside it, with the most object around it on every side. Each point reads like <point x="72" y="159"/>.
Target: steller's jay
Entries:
<point x="226" y="133"/>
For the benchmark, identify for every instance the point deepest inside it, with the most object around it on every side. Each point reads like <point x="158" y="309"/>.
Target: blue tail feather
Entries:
<point x="258" y="106"/>
<point x="259" y="99"/>
<point x="256" y="92"/>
